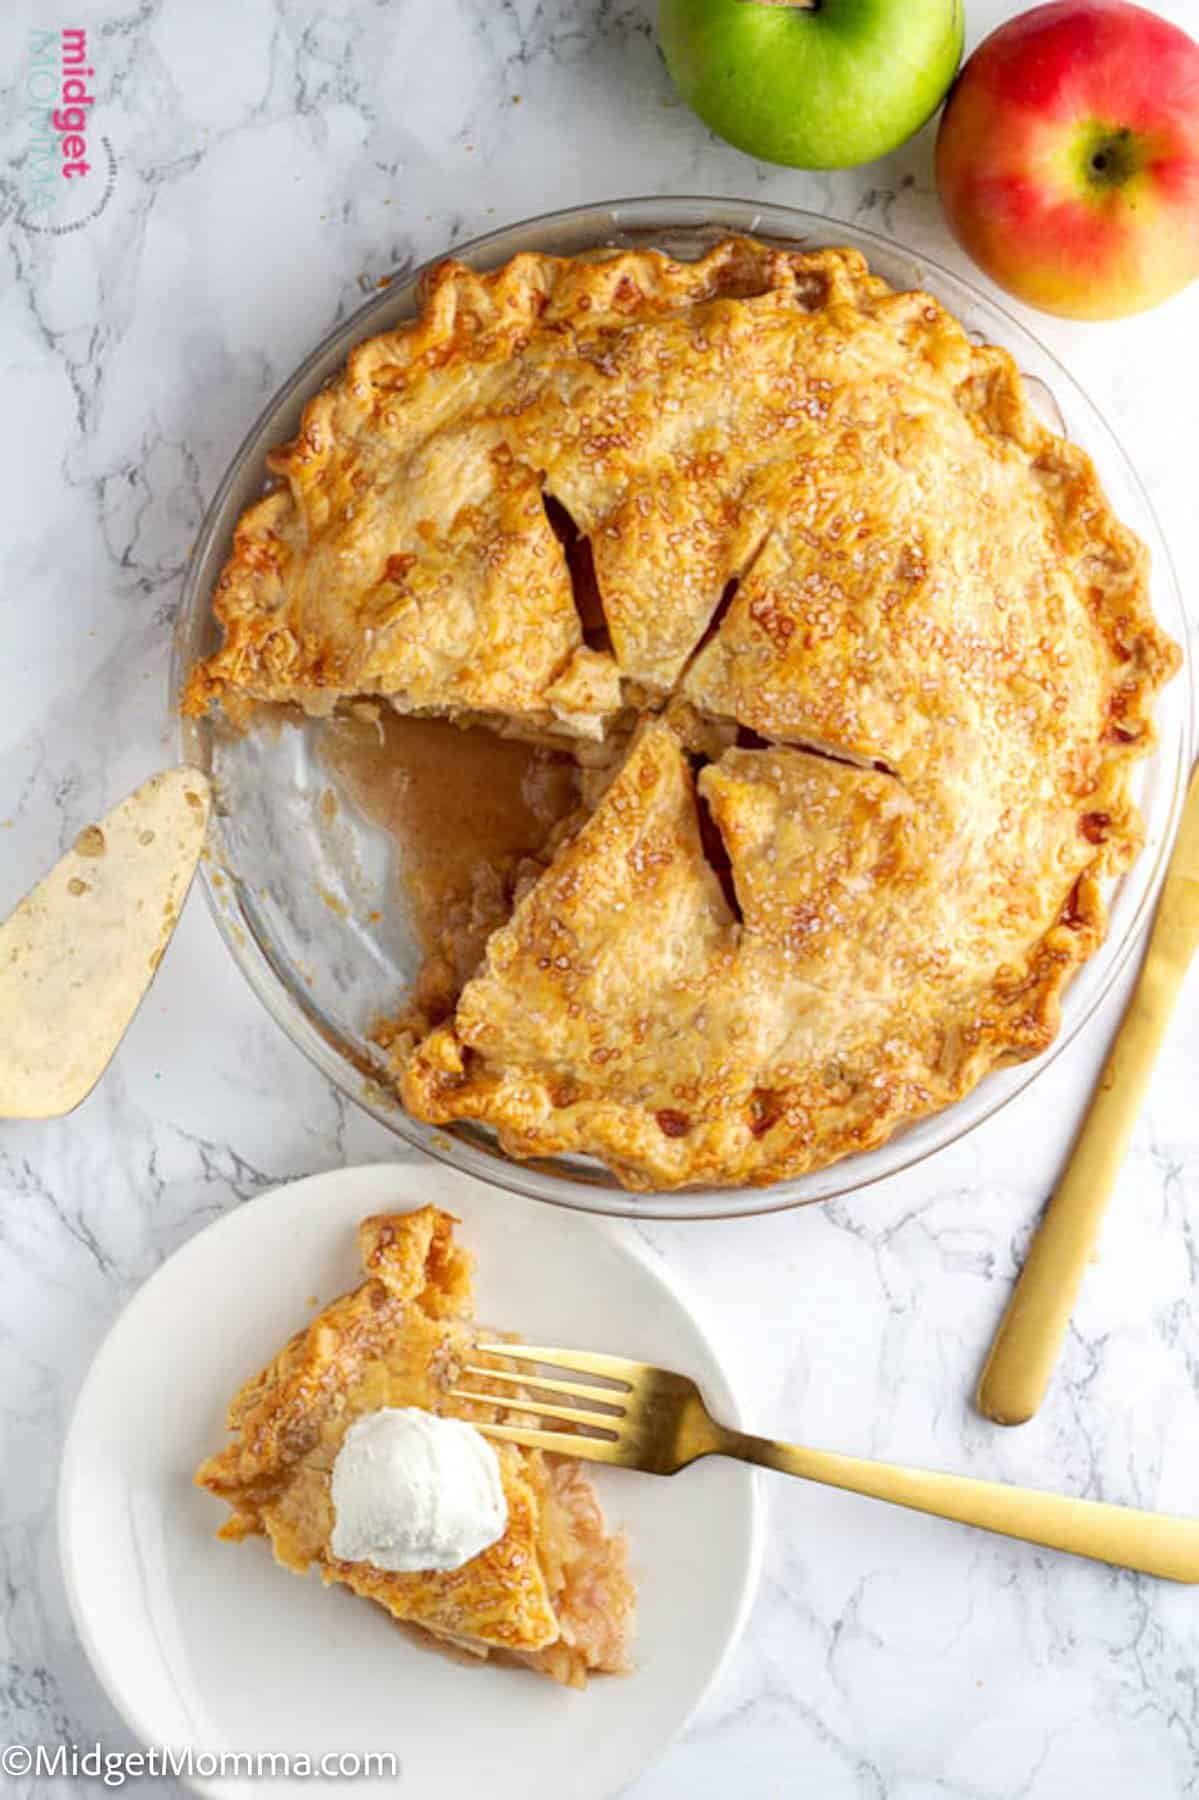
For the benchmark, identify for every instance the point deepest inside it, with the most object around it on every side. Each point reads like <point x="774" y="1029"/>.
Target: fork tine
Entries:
<point x="543" y="1409"/>
<point x="607" y="1396"/>
<point x="571" y="1362"/>
<point x="562" y="1443"/>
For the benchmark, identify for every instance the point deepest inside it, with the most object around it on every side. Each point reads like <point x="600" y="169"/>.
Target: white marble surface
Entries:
<point x="272" y="163"/>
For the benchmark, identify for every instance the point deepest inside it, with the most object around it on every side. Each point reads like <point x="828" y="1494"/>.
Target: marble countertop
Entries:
<point x="271" y="165"/>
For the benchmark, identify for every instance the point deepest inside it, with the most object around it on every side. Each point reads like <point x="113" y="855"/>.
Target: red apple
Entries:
<point x="1068" y="158"/>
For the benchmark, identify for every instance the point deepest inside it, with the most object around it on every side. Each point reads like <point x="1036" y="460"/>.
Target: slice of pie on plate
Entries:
<point x="552" y="1593"/>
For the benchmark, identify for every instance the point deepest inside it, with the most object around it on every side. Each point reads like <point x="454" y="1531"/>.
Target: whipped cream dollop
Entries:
<point x="412" y="1491"/>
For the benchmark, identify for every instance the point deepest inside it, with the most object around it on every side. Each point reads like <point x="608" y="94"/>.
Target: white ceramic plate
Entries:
<point x="213" y="1646"/>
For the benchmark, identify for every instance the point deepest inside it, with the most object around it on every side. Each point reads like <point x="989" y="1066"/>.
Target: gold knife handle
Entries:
<point x="1155" y="1543"/>
<point x="1028" y="1342"/>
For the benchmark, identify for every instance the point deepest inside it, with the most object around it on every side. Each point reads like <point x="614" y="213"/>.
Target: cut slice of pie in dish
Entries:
<point x="682" y="1025"/>
<point x="552" y="1593"/>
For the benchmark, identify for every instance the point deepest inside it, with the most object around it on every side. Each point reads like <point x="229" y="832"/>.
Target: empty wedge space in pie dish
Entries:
<point x="851" y="655"/>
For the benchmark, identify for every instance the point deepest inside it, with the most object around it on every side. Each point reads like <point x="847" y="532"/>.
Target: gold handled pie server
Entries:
<point x="79" y="952"/>
<point x="1025" y="1351"/>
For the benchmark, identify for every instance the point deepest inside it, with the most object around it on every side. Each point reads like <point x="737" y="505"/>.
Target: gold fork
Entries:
<point x="654" y="1420"/>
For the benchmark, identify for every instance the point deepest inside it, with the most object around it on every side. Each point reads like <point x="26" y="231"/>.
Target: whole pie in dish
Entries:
<point x="553" y="1593"/>
<point x="853" y="656"/>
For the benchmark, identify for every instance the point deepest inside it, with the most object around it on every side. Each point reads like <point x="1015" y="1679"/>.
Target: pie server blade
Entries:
<point x="79" y="952"/>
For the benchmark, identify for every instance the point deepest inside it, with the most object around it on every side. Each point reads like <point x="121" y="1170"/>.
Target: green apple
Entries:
<point x="820" y="84"/>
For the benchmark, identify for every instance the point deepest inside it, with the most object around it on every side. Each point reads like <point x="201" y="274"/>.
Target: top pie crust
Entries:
<point x="823" y="523"/>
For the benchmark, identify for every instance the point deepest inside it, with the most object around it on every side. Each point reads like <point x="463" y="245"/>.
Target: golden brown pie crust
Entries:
<point x="846" y="577"/>
<point x="553" y="1592"/>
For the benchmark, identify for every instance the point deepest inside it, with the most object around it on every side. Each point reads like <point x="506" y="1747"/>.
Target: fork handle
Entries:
<point x="1027" y="1345"/>
<point x="1154" y="1543"/>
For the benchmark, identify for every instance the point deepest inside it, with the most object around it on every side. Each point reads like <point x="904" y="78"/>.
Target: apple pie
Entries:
<point x="552" y="1593"/>
<point x="849" y="648"/>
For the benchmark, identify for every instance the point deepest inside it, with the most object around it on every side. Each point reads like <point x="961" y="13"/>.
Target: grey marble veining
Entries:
<point x="273" y="164"/>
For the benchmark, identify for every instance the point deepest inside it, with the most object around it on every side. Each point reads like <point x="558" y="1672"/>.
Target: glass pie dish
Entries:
<point x="304" y="891"/>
